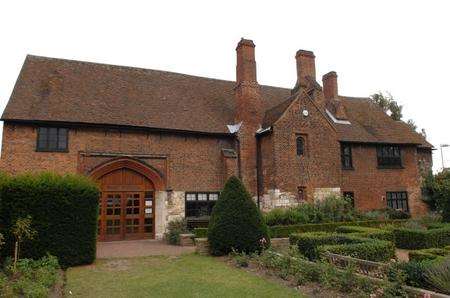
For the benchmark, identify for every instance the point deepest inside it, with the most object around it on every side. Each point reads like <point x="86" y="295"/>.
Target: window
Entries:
<point x="301" y="193"/>
<point x="389" y="156"/>
<point x="398" y="200"/>
<point x="350" y="195"/>
<point x="300" y="146"/>
<point x="52" y="139"/>
<point x="346" y="156"/>
<point x="200" y="204"/>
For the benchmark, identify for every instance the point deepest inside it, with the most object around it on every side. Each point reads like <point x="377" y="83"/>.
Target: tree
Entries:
<point x="236" y="222"/>
<point x="390" y="106"/>
<point x="22" y="231"/>
<point x="437" y="193"/>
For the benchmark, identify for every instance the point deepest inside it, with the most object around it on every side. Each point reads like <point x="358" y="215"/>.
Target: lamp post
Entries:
<point x="442" y="155"/>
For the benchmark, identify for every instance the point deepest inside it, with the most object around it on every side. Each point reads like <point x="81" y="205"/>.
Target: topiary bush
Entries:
<point x="236" y="222"/>
<point x="64" y="212"/>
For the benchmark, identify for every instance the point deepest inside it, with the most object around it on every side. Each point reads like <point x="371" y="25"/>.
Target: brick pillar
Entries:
<point x="248" y="111"/>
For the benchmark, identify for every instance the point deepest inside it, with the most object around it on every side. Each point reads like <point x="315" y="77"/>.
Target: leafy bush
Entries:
<point x="201" y="232"/>
<point x="438" y="275"/>
<point x="174" y="229"/>
<point x="31" y="278"/>
<point x="285" y="231"/>
<point x="236" y="222"/>
<point x="373" y="250"/>
<point x="418" y="239"/>
<point x="437" y="193"/>
<point x="331" y="209"/>
<point x="367" y="232"/>
<point x="64" y="210"/>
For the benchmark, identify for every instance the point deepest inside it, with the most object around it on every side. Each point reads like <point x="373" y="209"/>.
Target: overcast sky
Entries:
<point x="398" y="46"/>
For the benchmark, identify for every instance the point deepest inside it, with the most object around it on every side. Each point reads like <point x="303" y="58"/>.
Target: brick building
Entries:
<point x="161" y="145"/>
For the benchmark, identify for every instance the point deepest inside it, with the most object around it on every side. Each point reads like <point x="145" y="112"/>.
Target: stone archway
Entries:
<point x="127" y="204"/>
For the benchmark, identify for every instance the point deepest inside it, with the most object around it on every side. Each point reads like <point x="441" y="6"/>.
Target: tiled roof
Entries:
<point x="51" y="89"/>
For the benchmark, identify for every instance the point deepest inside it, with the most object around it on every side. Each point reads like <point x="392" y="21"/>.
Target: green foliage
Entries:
<point x="438" y="275"/>
<point x="236" y="222"/>
<point x="285" y="231"/>
<point x="388" y="104"/>
<point x="312" y="245"/>
<point x="437" y="193"/>
<point x="331" y="209"/>
<point x="395" y="285"/>
<point x="31" y="278"/>
<point x="174" y="229"/>
<point x="419" y="239"/>
<point x="429" y="253"/>
<point x="241" y="259"/>
<point x="64" y="210"/>
<point x="201" y="232"/>
<point x="374" y="233"/>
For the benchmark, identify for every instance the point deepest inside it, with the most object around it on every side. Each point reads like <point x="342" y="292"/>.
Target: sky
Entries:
<point x="402" y="47"/>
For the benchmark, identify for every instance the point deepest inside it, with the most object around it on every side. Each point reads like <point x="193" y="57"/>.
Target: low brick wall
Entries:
<point x="202" y="246"/>
<point x="187" y="239"/>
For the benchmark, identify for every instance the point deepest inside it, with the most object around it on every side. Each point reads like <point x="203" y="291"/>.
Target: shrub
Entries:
<point x="174" y="229"/>
<point x="438" y="275"/>
<point x="285" y="231"/>
<point x="437" y="193"/>
<point x="236" y="222"/>
<point x="64" y="212"/>
<point x="373" y="250"/>
<point x="201" y="232"/>
<point x="418" y="239"/>
<point x="429" y="254"/>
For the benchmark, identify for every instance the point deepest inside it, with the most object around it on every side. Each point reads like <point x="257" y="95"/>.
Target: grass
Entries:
<point x="184" y="276"/>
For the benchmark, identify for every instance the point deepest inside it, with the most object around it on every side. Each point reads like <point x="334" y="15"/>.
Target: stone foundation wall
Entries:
<point x="169" y="206"/>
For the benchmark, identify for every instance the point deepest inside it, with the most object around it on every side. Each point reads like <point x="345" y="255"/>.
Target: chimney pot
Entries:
<point x="246" y="64"/>
<point x="330" y="85"/>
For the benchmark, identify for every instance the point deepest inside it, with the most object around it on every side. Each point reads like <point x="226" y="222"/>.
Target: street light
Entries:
<point x="442" y="155"/>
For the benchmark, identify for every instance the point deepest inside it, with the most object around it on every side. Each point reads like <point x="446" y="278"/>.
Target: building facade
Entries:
<point x="161" y="145"/>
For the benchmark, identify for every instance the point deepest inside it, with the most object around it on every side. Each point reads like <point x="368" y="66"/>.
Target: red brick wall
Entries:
<point x="370" y="184"/>
<point x="187" y="162"/>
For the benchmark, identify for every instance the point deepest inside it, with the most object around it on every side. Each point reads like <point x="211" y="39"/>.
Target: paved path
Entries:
<point x="139" y="248"/>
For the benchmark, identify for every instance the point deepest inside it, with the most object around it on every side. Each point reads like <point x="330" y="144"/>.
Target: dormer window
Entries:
<point x="52" y="139"/>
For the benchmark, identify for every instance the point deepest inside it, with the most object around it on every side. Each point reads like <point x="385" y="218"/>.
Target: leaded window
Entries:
<point x="300" y="146"/>
<point x="200" y="204"/>
<point x="398" y="200"/>
<point x="52" y="139"/>
<point x="389" y="156"/>
<point x="346" y="156"/>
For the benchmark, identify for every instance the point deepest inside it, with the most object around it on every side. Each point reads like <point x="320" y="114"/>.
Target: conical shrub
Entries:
<point x="236" y="222"/>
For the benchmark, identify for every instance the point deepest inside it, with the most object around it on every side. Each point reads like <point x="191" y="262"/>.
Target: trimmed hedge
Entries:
<point x="313" y="244"/>
<point x="374" y="233"/>
<point x="201" y="232"/>
<point x="429" y="254"/>
<point x="285" y="231"/>
<point x="64" y="212"/>
<point x="419" y="239"/>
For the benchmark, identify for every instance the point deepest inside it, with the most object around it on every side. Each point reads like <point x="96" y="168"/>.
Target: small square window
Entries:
<point x="52" y="139"/>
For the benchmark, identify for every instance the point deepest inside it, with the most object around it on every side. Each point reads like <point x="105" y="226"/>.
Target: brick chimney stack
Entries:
<point x="249" y="111"/>
<point x="330" y="85"/>
<point x="306" y="67"/>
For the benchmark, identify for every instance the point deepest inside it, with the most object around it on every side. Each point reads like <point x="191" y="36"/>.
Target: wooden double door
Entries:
<point x="126" y="209"/>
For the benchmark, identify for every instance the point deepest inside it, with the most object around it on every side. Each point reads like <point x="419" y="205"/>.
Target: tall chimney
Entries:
<point x="246" y="64"/>
<point x="330" y="85"/>
<point x="306" y="67"/>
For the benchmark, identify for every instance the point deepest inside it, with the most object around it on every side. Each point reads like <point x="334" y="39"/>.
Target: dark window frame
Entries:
<point x="346" y="157"/>
<point x="301" y="194"/>
<point x="396" y="199"/>
<point x="389" y="157"/>
<point x="200" y="205"/>
<point x="43" y="140"/>
<point x="300" y="143"/>
<point x="350" y="195"/>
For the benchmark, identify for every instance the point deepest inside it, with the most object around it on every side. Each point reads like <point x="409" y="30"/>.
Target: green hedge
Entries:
<point x="285" y="231"/>
<point x="313" y="244"/>
<point x="373" y="250"/>
<point x="201" y="232"/>
<point x="64" y="212"/>
<point x="429" y="253"/>
<point x="374" y="233"/>
<point x="419" y="239"/>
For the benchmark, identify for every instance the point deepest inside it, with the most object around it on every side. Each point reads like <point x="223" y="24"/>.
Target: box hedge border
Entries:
<point x="64" y="213"/>
<point x="285" y="231"/>
<point x="419" y="239"/>
<point x="374" y="233"/>
<point x="429" y="254"/>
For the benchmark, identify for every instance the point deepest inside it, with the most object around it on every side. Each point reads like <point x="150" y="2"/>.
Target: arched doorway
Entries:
<point x="127" y="201"/>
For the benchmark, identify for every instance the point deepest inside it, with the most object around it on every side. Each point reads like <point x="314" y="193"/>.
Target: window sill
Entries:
<point x="57" y="151"/>
<point x="348" y="169"/>
<point x="390" y="167"/>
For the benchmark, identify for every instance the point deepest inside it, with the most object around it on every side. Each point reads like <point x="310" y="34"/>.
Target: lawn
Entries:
<point x="184" y="276"/>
